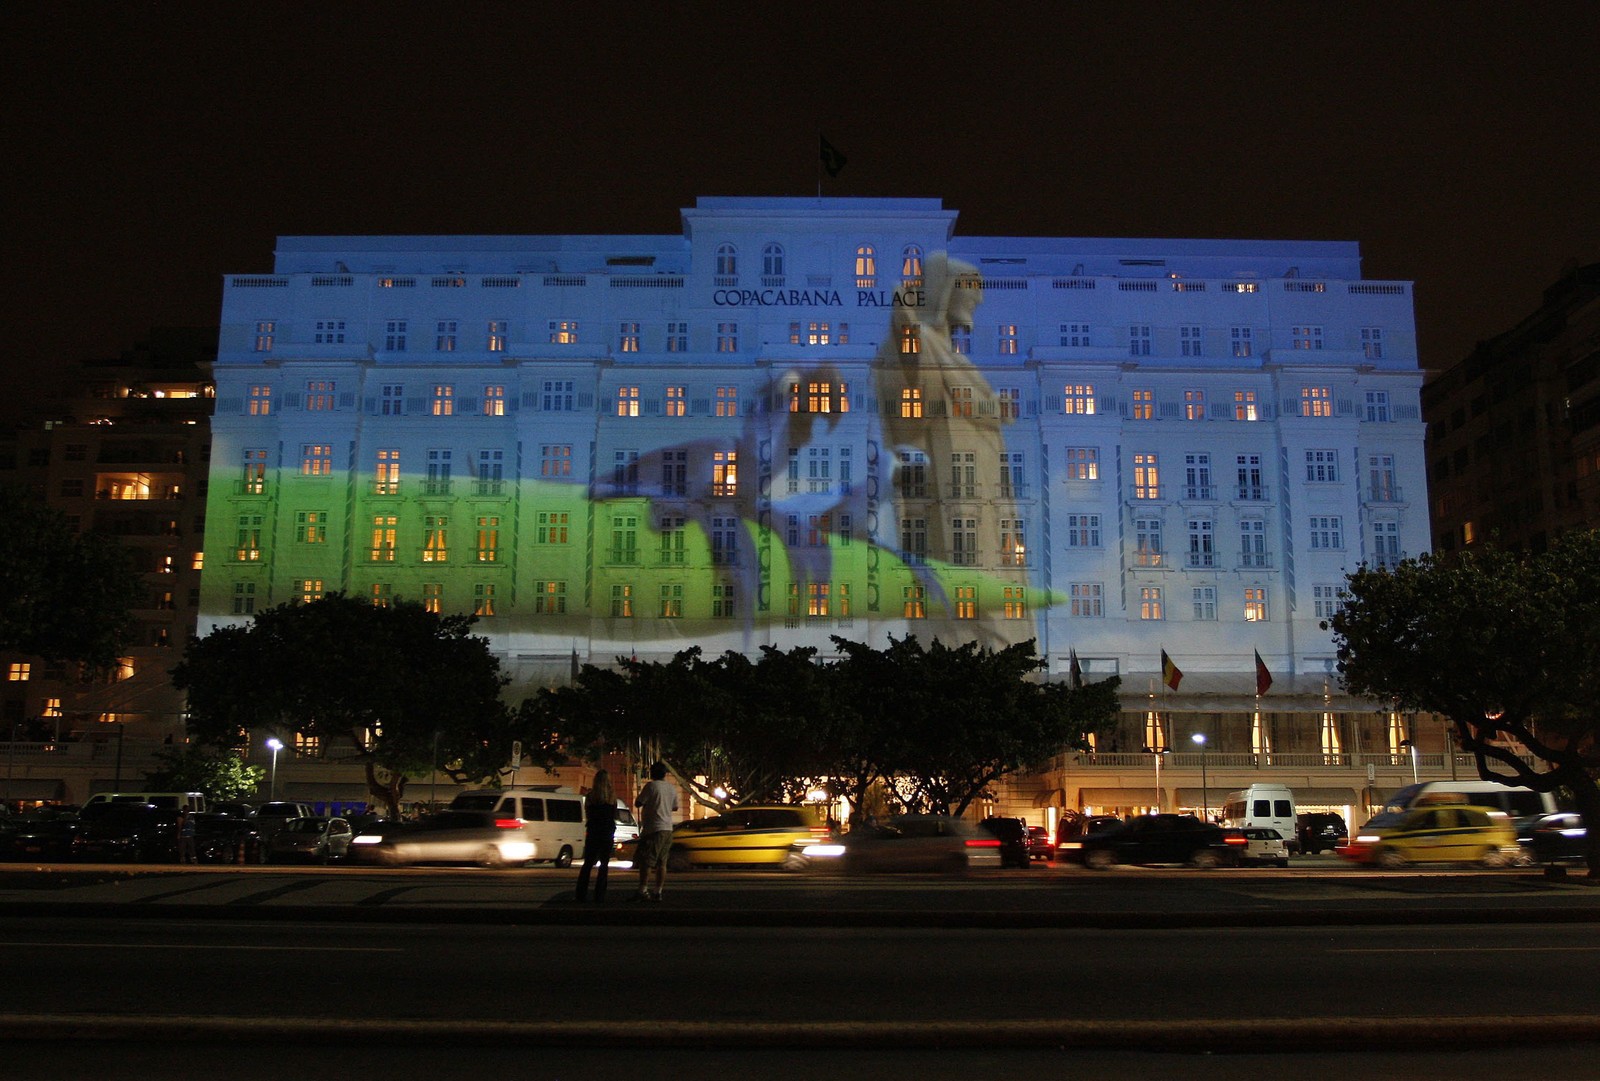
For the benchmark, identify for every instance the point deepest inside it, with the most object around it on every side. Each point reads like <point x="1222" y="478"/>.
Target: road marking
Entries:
<point x="200" y="946"/>
<point x="1468" y="949"/>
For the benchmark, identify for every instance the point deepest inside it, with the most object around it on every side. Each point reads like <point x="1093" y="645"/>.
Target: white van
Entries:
<point x="1523" y="805"/>
<point x="551" y="817"/>
<point x="193" y="801"/>
<point x="1262" y="806"/>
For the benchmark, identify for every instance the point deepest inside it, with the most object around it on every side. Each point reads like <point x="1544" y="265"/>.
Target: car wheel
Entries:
<point x="1204" y="859"/>
<point x="678" y="860"/>
<point x="1099" y="859"/>
<point x="490" y="857"/>
<point x="564" y="857"/>
<point x="1494" y="858"/>
<point x="1390" y="860"/>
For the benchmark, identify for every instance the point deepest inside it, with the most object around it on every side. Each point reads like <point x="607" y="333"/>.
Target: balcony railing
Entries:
<point x="1384" y="493"/>
<point x="1432" y="764"/>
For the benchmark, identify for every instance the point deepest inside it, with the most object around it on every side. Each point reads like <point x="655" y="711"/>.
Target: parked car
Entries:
<point x="311" y="840"/>
<point x="1259" y="845"/>
<point x="228" y="838"/>
<point x="478" y="837"/>
<point x="1075" y="829"/>
<point x="1435" y="833"/>
<point x="1012" y="833"/>
<point x="760" y="835"/>
<point x="919" y="843"/>
<point x="1040" y="846"/>
<point x="1157" y="838"/>
<point x="42" y="835"/>
<point x="1559" y="838"/>
<point x="273" y="815"/>
<point x="139" y="832"/>
<point x="1319" y="831"/>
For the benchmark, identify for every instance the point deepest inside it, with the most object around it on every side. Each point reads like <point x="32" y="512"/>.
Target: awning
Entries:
<point x="1051" y="797"/>
<point x="30" y="788"/>
<point x="1117" y="797"/>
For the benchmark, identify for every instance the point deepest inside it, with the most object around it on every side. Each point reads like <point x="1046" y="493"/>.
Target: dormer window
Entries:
<point x="772" y="265"/>
<point x="911" y="266"/>
<point x="727" y="265"/>
<point x="866" y="267"/>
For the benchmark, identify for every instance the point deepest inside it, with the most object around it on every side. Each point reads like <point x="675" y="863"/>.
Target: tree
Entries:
<point x="1506" y="646"/>
<point x="400" y="688"/>
<point x="192" y="768"/>
<point x="64" y="595"/>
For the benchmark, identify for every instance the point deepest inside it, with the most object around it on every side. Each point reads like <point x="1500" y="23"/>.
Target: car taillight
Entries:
<point x="983" y="842"/>
<point x="1239" y="840"/>
<point x="508" y="823"/>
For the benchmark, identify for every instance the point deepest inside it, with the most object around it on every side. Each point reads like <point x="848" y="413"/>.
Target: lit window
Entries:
<point x="1242" y="344"/>
<point x="911" y="265"/>
<point x="1006" y="340"/>
<point x="435" y="539"/>
<point x="384" y="530"/>
<point x="910" y="339"/>
<point x="1014" y="602"/>
<point x="627" y="401"/>
<point x="494" y="401"/>
<point x="818" y="334"/>
<point x="1010" y="399"/>
<point x="483" y="599"/>
<point x="727" y="337"/>
<point x="248" y="548"/>
<point x="1144" y="405"/>
<point x="433" y="597"/>
<point x="1146" y="477"/>
<point x="307" y="590"/>
<point x="555" y="460"/>
<point x="966" y="602"/>
<point x="915" y="602"/>
<point x="444" y="401"/>
<point x="1307" y="337"/>
<point x="316" y="460"/>
<point x="675" y="405"/>
<point x="1013" y="542"/>
<point x="381" y="593"/>
<point x="255" y="472"/>
<point x="319" y="395"/>
<point x="961" y="339"/>
<point x="552" y="526"/>
<point x="725" y="473"/>
<point x="260" y="401"/>
<point x="19" y="671"/>
<point x="628" y="337"/>
<point x="1150" y="602"/>
<point x="488" y="539"/>
<point x="1194" y="405"/>
<point x="1316" y="402"/>
<point x="677" y="337"/>
<point x="1255" y="605"/>
<point x="1087" y="600"/>
<point x="311" y="526"/>
<point x="387" y="480"/>
<point x="497" y="335"/>
<point x="727" y="401"/>
<point x="265" y="332"/>
<point x="550" y="598"/>
<point x="961" y="402"/>
<point x="866" y="267"/>
<point x="1244" y="405"/>
<point x="1082" y="463"/>
<point x="622" y="602"/>
<point x="563" y="331"/>
<point x="1078" y="398"/>
<point x="911" y="402"/>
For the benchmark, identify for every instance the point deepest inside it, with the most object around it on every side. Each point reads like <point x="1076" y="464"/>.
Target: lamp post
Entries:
<point x="1159" y="753"/>
<point x="1205" y="794"/>
<point x="1412" y="747"/>
<point x="273" y="745"/>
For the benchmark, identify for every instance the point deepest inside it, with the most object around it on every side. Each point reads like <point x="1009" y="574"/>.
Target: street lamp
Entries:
<point x="273" y="745"/>
<point x="1413" y="748"/>
<point x="1205" y="794"/>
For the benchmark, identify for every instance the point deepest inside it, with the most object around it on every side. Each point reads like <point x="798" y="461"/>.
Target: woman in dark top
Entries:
<point x="599" y="835"/>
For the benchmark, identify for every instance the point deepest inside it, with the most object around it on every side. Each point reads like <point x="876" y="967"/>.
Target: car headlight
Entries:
<point x="1368" y="839"/>
<point x="822" y="852"/>
<point x="366" y="839"/>
<point x="516" y="851"/>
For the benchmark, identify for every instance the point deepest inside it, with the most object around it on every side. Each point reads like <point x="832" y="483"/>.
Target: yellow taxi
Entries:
<point x="1436" y="833"/>
<point x="755" y="834"/>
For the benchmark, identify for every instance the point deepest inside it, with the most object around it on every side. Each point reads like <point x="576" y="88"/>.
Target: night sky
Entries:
<point x="151" y="148"/>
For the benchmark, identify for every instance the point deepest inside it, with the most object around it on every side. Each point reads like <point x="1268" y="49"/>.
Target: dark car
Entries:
<point x="1158" y="838"/>
<point x="1040" y="846"/>
<point x="1558" y="839"/>
<point x="921" y="842"/>
<point x="227" y="838"/>
<point x="137" y="832"/>
<point x="1012" y="833"/>
<point x="1318" y="831"/>
<point x="38" y="835"/>
<point x="479" y="837"/>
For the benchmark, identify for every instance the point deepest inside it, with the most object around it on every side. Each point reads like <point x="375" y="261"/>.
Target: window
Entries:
<point x="1380" y="471"/>
<point x="491" y="472"/>
<point x="1083" y="531"/>
<point x="1326" y="601"/>
<point x="914" y="602"/>
<point x="319" y="395"/>
<point x="722" y="600"/>
<point x="563" y="331"/>
<point x="628" y="338"/>
<point x="1197" y="477"/>
<point x="677" y="337"/>
<point x="1075" y="334"/>
<point x="1146" y="477"/>
<point x="911" y="403"/>
<point x="912" y="478"/>
<point x="433" y="597"/>
<point x="1322" y="466"/>
<point x="910" y="339"/>
<point x="772" y="264"/>
<point x="1250" y="477"/>
<point x="1087" y="601"/>
<point x="817" y="599"/>
<point x="625" y="472"/>
<point x="1006" y="343"/>
<point x="1244" y="405"/>
<point x="1078" y="398"/>
<point x="961" y="402"/>
<point x="497" y="335"/>
<point x="1242" y="346"/>
<point x="1189" y="341"/>
<point x="443" y="403"/>
<point x="307" y="590"/>
<point x="622" y="602"/>
<point x="725" y="473"/>
<point x="1013" y="542"/>
<point x="260" y="401"/>
<point x="672" y="600"/>
<point x="674" y="472"/>
<point x="625" y="538"/>
<point x="316" y="460"/>
<point x="265" y="331"/>
<point x="1327" y="532"/>
<point x="248" y="548"/>
<point x="394" y="336"/>
<point x="1372" y="343"/>
<point x="1316" y="402"/>
<point x="627" y="401"/>
<point x="727" y="401"/>
<point x="391" y="400"/>
<point x="964" y="542"/>
<point x="1013" y="483"/>
<point x="1205" y="603"/>
<point x="244" y="598"/>
<point x="386" y="478"/>
<point x="1194" y="405"/>
<point x="914" y="540"/>
<point x="1386" y="543"/>
<point x="1144" y="405"/>
<point x="1147" y="542"/>
<point x="1378" y="405"/>
<point x="483" y="599"/>
<point x="494" y="401"/>
<point x="1150" y="602"/>
<point x="1255" y="605"/>
<point x="1082" y="463"/>
<point x="727" y="262"/>
<point x="555" y="460"/>
<point x="255" y="472"/>
<point x="1139" y="341"/>
<point x="445" y="336"/>
<point x="966" y="602"/>
<point x="557" y="396"/>
<point x="1307" y="337"/>
<point x="311" y="526"/>
<point x="1014" y="602"/>
<point x="963" y="475"/>
<point x="674" y="405"/>
<point x="727" y="337"/>
<point x="488" y="539"/>
<point x="819" y="397"/>
<point x="866" y="267"/>
<point x="672" y="540"/>
<point x="911" y="265"/>
<point x="1202" y="553"/>
<point x="1010" y="399"/>
<point x="725" y="541"/>
<point x="549" y="598"/>
<point x="435" y="539"/>
<point x="438" y="479"/>
<point x="329" y="332"/>
<point x="817" y="333"/>
<point x="1253" y="542"/>
<point x="551" y="526"/>
<point x="961" y="339"/>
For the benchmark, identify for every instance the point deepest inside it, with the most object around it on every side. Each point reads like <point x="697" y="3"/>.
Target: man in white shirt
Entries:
<point x="657" y="803"/>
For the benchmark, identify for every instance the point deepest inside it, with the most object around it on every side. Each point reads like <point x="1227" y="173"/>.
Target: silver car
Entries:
<point x="919" y="843"/>
<point x="311" y="840"/>
<point x="479" y="837"/>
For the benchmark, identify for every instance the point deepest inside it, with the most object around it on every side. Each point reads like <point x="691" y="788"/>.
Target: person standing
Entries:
<point x="657" y="803"/>
<point x="186" y="852"/>
<point x="599" y="835"/>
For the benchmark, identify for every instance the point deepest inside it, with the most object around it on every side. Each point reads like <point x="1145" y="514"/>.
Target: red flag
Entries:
<point x="1263" y="677"/>
<point x="1171" y="674"/>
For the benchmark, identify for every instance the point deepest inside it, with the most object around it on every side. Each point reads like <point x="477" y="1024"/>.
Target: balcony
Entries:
<point x="1256" y="560"/>
<point x="1385" y="493"/>
<point x="1204" y="492"/>
<point x="1250" y="493"/>
<point x="1201" y="560"/>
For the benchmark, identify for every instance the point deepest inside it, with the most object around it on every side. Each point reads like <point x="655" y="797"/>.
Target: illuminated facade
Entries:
<point x="810" y="417"/>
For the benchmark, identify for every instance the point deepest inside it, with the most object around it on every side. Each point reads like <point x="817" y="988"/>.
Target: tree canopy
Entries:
<point x="399" y="688"/>
<point x="220" y="775"/>
<point x="1505" y="645"/>
<point x="64" y="595"/>
<point x="934" y="726"/>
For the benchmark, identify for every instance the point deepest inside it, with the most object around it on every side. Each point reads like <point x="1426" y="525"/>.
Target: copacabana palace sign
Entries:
<point x="816" y="298"/>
